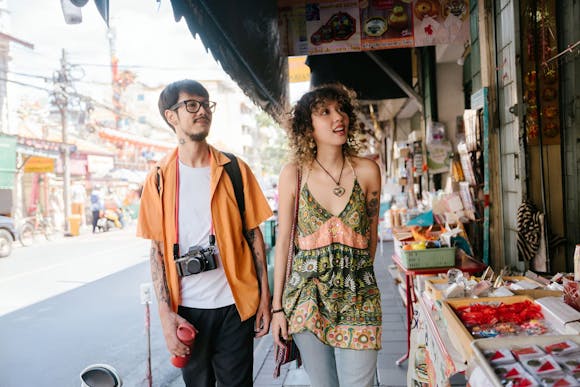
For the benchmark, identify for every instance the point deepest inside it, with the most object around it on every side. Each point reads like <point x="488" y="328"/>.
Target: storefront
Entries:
<point x="7" y="173"/>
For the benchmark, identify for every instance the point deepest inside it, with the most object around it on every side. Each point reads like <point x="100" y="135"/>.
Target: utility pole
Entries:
<point x="61" y="83"/>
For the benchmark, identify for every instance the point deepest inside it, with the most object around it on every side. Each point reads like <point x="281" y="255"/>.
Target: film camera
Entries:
<point x="197" y="260"/>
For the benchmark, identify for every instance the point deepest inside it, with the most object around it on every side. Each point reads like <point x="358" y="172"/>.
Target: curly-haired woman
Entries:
<point x="330" y="303"/>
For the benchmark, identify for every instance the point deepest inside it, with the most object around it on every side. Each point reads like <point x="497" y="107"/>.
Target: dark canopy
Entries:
<point x="243" y="37"/>
<point x="359" y="72"/>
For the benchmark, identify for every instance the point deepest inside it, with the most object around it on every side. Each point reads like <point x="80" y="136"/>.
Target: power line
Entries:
<point x="86" y="98"/>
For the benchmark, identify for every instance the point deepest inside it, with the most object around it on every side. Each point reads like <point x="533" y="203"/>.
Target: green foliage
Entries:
<point x="274" y="152"/>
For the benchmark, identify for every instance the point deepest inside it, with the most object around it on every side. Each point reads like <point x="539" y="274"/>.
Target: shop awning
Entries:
<point x="243" y="36"/>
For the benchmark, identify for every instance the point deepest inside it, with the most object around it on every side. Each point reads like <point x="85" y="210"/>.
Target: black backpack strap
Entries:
<point x="158" y="180"/>
<point x="233" y="170"/>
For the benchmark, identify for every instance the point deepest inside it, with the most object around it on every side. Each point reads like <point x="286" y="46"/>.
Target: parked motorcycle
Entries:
<point x="109" y="220"/>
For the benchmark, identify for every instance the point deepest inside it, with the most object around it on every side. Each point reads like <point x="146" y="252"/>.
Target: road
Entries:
<point x="72" y="302"/>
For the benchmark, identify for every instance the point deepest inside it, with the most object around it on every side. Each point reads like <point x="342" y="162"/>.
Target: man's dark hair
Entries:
<point x="170" y="94"/>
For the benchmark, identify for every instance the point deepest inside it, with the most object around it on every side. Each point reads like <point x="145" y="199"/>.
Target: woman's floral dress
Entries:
<point x="332" y="291"/>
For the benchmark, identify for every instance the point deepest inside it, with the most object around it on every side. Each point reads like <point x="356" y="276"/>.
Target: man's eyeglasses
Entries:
<point x="193" y="106"/>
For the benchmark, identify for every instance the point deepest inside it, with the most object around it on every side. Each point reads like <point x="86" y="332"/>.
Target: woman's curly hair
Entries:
<point x="300" y="128"/>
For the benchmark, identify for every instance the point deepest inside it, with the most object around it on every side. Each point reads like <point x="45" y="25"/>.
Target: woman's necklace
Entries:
<point x="338" y="190"/>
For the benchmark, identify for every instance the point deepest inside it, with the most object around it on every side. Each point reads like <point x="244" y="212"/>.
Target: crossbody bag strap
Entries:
<point x="294" y="221"/>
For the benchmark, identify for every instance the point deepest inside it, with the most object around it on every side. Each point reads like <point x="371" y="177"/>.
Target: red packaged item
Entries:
<point x="543" y="365"/>
<point x="526" y="352"/>
<point x="505" y="371"/>
<point x="562" y="348"/>
<point x="518" y="377"/>
<point x="558" y="381"/>
<point x="499" y="356"/>
<point x="518" y="313"/>
<point x="569" y="363"/>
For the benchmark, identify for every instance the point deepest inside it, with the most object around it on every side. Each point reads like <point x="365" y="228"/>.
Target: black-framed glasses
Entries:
<point x="193" y="105"/>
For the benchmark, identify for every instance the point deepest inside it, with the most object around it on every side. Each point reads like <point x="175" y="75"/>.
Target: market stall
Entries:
<point x="478" y="329"/>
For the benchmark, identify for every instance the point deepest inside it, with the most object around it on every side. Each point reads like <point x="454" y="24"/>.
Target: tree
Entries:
<point x="275" y="151"/>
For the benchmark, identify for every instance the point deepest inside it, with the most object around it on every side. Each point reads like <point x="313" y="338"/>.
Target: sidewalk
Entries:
<point x="394" y="339"/>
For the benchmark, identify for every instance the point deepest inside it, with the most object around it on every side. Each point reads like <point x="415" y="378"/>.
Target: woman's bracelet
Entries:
<point x="277" y="310"/>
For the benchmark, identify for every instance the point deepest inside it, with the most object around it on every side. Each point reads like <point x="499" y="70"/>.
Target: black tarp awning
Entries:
<point x="243" y="37"/>
<point x="359" y="72"/>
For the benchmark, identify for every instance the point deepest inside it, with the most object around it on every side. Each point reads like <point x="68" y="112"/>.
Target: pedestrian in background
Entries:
<point x="331" y="304"/>
<point x="97" y="206"/>
<point x="188" y="204"/>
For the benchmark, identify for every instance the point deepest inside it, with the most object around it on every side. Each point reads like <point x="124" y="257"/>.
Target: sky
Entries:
<point x="148" y="42"/>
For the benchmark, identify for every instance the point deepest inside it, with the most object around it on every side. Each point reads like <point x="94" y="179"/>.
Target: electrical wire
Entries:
<point x="91" y="100"/>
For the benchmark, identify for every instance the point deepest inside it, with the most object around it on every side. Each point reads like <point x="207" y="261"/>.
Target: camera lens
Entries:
<point x="195" y="266"/>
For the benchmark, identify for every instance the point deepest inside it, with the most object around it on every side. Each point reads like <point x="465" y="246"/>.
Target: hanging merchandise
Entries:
<point x="438" y="155"/>
<point x="470" y="120"/>
<point x="466" y="165"/>
<point x="540" y="74"/>
<point x="529" y="231"/>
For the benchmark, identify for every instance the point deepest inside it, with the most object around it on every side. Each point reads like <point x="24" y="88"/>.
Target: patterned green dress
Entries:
<point x="332" y="291"/>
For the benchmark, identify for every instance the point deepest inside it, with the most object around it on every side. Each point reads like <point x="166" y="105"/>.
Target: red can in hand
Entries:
<point x="186" y="334"/>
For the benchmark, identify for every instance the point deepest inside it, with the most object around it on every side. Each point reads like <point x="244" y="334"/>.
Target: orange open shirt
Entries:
<point x="157" y="222"/>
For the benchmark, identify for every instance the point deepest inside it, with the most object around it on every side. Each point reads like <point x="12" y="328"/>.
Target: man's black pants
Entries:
<point x="223" y="350"/>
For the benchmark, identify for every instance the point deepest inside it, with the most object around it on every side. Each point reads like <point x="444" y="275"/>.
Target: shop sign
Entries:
<point x="76" y="167"/>
<point x="38" y="147"/>
<point x="7" y="161"/>
<point x="298" y="70"/>
<point x="36" y="164"/>
<point x="100" y="165"/>
<point x="310" y="28"/>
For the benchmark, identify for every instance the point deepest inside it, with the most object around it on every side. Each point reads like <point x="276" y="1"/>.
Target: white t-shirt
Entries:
<point x="208" y="289"/>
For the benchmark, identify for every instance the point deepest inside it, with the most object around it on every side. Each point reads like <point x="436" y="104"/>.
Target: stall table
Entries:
<point x="466" y="264"/>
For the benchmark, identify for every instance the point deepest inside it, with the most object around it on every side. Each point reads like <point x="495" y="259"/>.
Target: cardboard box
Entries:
<point x="460" y="337"/>
<point x="435" y="287"/>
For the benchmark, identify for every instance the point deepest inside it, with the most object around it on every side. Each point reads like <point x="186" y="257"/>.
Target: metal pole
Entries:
<point x="411" y="93"/>
<point x="148" y="326"/>
<point x="63" y="107"/>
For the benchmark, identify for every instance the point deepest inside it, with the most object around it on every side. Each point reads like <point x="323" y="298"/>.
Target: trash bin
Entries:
<point x="74" y="222"/>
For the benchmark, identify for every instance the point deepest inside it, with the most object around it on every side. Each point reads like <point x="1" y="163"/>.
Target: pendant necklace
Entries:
<point x="338" y="190"/>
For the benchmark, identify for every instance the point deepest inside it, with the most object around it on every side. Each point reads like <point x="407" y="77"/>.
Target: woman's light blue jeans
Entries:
<point x="332" y="367"/>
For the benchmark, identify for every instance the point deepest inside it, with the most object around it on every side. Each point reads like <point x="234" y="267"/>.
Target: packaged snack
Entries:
<point x="483" y="331"/>
<point x="542" y="365"/>
<point x="558" y="381"/>
<point x="569" y="363"/>
<point x="499" y="356"/>
<point x="534" y="328"/>
<point x="506" y="328"/>
<point x="526" y="352"/>
<point x="523" y="379"/>
<point x="562" y="348"/>
<point x="509" y="371"/>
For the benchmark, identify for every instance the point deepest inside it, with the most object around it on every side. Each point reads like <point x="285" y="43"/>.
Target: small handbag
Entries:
<point x="289" y="351"/>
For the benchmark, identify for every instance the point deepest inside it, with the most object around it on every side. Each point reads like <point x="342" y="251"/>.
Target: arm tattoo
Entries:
<point x="256" y="255"/>
<point x="373" y="205"/>
<point x="158" y="274"/>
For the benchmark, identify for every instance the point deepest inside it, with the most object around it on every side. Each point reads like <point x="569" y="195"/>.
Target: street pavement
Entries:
<point x="394" y="339"/>
<point x="49" y="283"/>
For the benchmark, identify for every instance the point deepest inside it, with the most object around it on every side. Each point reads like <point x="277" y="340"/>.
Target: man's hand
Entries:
<point x="169" y="323"/>
<point x="263" y="316"/>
